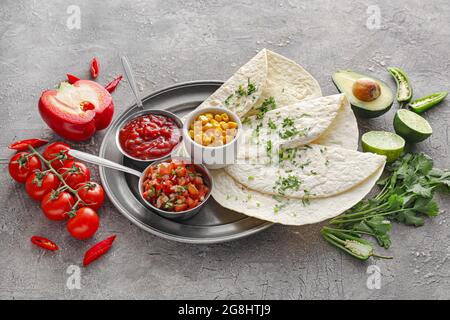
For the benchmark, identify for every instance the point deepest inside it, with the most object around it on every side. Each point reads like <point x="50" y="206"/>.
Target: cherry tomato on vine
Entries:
<point x="84" y="224"/>
<point x="58" y="151"/>
<point x="56" y="205"/>
<point x="23" y="164"/>
<point x="92" y="194"/>
<point x="40" y="183"/>
<point x="75" y="173"/>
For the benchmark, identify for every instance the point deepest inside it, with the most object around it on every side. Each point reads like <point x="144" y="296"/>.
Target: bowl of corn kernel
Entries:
<point x="211" y="136"/>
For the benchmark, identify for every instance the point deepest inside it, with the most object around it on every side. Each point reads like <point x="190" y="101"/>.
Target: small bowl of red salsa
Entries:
<point x="149" y="135"/>
<point x="176" y="188"/>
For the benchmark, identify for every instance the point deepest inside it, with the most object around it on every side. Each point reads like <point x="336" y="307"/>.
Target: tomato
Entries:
<point x="164" y="169"/>
<point x="38" y="184"/>
<point x="57" y="153"/>
<point x="75" y="173"/>
<point x="174" y="186"/>
<point x="180" y="171"/>
<point x="193" y="191"/>
<point x="92" y="194"/>
<point x="84" y="224"/>
<point x="56" y="205"/>
<point x="180" y="207"/>
<point x="22" y="165"/>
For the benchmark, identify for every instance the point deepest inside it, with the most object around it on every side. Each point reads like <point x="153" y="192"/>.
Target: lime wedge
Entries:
<point x="411" y="126"/>
<point x="384" y="143"/>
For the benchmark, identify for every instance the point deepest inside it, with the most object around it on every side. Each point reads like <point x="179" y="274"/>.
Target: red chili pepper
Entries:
<point x="95" y="68"/>
<point x="71" y="78"/>
<point x="97" y="250"/>
<point x="113" y="84"/>
<point x="44" y="243"/>
<point x="22" y="145"/>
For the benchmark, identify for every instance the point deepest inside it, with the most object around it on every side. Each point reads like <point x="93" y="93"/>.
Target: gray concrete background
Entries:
<point x="170" y="42"/>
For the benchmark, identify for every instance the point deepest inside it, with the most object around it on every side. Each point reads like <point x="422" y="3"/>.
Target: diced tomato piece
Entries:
<point x="193" y="191"/>
<point x="164" y="168"/>
<point x="180" y="207"/>
<point x="198" y="181"/>
<point x="180" y="171"/>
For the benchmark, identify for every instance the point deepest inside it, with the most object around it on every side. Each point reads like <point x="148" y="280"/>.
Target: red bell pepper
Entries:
<point x="76" y="111"/>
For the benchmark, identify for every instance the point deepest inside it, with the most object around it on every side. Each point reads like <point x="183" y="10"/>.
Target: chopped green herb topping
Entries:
<point x="289" y="183"/>
<point x="272" y="125"/>
<point x="268" y="104"/>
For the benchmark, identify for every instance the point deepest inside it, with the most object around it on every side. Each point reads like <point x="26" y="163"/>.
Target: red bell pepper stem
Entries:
<point x="71" y="78"/>
<point x="95" y="68"/>
<point x="44" y="243"/>
<point x="98" y="250"/>
<point x="113" y="84"/>
<point x="22" y="145"/>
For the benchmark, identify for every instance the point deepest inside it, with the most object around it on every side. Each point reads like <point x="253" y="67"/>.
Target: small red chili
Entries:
<point x="97" y="250"/>
<point x="71" y="78"/>
<point x="95" y="68"/>
<point x="44" y="243"/>
<point x="113" y="84"/>
<point x="22" y="145"/>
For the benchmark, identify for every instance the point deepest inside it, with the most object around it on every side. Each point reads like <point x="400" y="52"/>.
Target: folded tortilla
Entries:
<point x="321" y="131"/>
<point x="290" y="126"/>
<point x="312" y="171"/>
<point x="266" y="75"/>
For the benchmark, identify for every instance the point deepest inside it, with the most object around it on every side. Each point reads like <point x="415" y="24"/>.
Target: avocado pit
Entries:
<point x="366" y="89"/>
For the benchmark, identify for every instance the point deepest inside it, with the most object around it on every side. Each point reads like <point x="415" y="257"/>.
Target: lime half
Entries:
<point x="384" y="143"/>
<point x="411" y="126"/>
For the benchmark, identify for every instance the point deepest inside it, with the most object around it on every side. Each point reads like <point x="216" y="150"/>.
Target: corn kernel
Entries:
<point x="198" y="138"/>
<point x="207" y="126"/>
<point x="225" y="117"/>
<point x="203" y="119"/>
<point x="224" y="125"/>
<point x="232" y="125"/>
<point x="206" y="140"/>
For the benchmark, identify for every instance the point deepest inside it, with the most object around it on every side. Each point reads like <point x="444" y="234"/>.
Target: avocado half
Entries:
<point x="344" y="80"/>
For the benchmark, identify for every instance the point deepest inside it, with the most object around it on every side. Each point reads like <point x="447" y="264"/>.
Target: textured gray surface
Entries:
<point x="169" y="42"/>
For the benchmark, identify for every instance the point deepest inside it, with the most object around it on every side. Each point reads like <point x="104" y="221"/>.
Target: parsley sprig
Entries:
<point x="406" y="196"/>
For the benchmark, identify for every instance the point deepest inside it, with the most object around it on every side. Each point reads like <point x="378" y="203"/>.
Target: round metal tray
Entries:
<point x="214" y="223"/>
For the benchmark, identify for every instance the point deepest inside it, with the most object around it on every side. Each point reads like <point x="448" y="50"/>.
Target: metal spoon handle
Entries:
<point x="130" y="77"/>
<point x="90" y="158"/>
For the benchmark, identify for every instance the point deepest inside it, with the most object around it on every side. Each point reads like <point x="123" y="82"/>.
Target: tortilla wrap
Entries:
<point x="314" y="171"/>
<point x="271" y="75"/>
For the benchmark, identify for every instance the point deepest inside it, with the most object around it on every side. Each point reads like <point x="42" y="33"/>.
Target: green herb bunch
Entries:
<point x="406" y="196"/>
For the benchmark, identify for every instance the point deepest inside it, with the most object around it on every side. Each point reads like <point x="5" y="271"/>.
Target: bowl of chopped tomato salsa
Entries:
<point x="175" y="188"/>
<point x="149" y="135"/>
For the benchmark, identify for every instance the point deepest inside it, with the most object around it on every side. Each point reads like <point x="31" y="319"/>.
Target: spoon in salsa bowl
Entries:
<point x="178" y="194"/>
